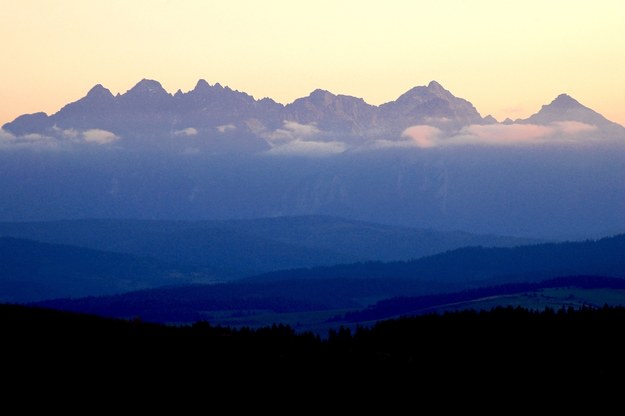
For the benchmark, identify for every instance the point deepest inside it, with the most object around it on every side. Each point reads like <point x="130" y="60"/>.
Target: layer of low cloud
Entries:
<point x="6" y="137"/>
<point x="294" y="138"/>
<point x="520" y="134"/>
<point x="99" y="136"/>
<point x="31" y="140"/>
<point x="424" y="136"/>
<point x="573" y="127"/>
<point x="502" y="134"/>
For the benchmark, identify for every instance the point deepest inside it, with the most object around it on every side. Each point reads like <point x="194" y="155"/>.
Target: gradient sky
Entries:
<point x="507" y="57"/>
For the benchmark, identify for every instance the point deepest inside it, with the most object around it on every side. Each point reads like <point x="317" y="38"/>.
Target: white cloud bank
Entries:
<point x="424" y="136"/>
<point x="99" y="136"/>
<point x="290" y="131"/>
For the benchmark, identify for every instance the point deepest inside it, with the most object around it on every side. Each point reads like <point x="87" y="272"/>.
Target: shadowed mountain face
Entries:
<point x="432" y="105"/>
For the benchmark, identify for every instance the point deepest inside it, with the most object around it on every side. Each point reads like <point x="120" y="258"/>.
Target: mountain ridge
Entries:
<point x="148" y="109"/>
<point x="239" y="248"/>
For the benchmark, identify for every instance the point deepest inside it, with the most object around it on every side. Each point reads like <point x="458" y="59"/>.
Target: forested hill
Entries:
<point x="473" y="265"/>
<point x="30" y="271"/>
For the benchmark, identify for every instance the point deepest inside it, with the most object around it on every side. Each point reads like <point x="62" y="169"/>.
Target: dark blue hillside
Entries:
<point x="435" y="280"/>
<point x="479" y="266"/>
<point x="31" y="271"/>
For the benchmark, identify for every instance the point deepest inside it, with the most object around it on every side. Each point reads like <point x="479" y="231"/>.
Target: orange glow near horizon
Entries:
<point x="507" y="58"/>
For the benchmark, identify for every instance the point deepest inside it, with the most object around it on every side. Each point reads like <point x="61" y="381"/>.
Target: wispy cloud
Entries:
<point x="423" y="135"/>
<point x="189" y="131"/>
<point x="99" y="136"/>
<point x="32" y="140"/>
<point x="35" y="137"/>
<point x="525" y="134"/>
<point x="507" y="133"/>
<point x="308" y="148"/>
<point x="70" y="133"/>
<point x="226" y="127"/>
<point x="290" y="131"/>
<point x="573" y="127"/>
<point x="65" y="133"/>
<point x="6" y="136"/>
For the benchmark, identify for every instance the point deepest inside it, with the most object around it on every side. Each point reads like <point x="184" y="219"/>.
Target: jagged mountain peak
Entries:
<point x="489" y="119"/>
<point x="433" y="89"/>
<point x="148" y="86"/>
<point x="98" y="91"/>
<point x="431" y="104"/>
<point x="566" y="108"/>
<point x="436" y="88"/>
<point x="319" y="93"/>
<point x="565" y="101"/>
<point x="201" y="85"/>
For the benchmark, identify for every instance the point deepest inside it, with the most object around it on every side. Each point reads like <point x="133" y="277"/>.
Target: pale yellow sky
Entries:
<point x="506" y="57"/>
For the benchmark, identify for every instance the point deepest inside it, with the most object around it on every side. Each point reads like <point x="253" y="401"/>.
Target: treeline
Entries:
<point x="501" y="344"/>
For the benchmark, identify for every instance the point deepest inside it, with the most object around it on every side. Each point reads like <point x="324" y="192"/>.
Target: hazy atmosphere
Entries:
<point x="220" y="192"/>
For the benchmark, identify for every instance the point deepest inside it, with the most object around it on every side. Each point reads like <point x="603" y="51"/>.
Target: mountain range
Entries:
<point x="226" y="120"/>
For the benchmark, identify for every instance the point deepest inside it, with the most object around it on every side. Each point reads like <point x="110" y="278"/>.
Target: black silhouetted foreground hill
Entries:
<point x="502" y="345"/>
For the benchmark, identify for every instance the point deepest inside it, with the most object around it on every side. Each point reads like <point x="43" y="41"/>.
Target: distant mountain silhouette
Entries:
<point x="432" y="105"/>
<point x="334" y="113"/>
<point x="147" y="109"/>
<point x="565" y="108"/>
